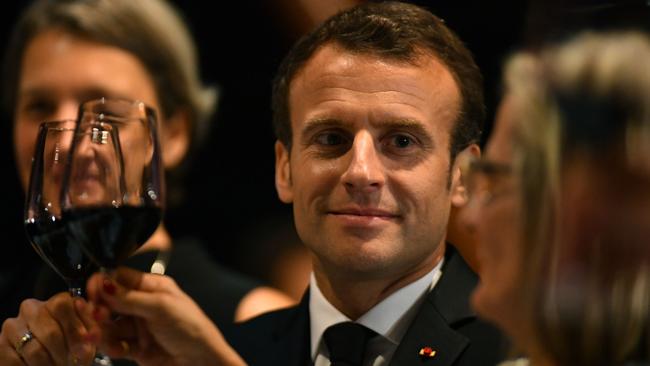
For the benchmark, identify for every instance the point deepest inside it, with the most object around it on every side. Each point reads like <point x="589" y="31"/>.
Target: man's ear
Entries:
<point x="458" y="181"/>
<point x="283" y="173"/>
<point x="175" y="138"/>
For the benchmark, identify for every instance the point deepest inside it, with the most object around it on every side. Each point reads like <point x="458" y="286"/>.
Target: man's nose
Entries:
<point x="365" y="171"/>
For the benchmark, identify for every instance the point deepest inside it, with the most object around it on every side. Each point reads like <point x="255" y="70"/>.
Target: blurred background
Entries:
<point x="230" y="198"/>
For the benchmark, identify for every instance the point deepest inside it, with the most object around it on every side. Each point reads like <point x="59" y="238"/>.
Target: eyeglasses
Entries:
<point x="485" y="179"/>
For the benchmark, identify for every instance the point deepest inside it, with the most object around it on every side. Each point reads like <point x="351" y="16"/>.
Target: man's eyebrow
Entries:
<point x="403" y="123"/>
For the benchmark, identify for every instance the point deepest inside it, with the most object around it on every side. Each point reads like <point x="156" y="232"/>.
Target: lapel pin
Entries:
<point x="427" y="352"/>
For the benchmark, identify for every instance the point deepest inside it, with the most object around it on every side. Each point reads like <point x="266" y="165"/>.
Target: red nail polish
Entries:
<point x="109" y="287"/>
<point x="90" y="338"/>
<point x="97" y="315"/>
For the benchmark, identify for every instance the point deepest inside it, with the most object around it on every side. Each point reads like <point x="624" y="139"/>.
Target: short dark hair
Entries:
<point x="394" y="31"/>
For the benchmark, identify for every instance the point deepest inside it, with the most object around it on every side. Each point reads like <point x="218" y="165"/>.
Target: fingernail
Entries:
<point x="90" y="338"/>
<point x="97" y="314"/>
<point x="109" y="287"/>
<point x="79" y="304"/>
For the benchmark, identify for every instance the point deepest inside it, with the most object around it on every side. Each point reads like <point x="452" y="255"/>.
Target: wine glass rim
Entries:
<point x="104" y="100"/>
<point x="50" y="124"/>
<point x="146" y="108"/>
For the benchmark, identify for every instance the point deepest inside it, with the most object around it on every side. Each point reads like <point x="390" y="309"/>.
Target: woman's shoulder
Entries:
<point x="262" y="300"/>
<point x="517" y="362"/>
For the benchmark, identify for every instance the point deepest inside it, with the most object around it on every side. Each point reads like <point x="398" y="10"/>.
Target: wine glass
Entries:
<point x="42" y="216"/>
<point x="113" y="190"/>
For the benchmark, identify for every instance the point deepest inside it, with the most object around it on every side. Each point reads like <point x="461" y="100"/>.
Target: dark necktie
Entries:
<point x="346" y="343"/>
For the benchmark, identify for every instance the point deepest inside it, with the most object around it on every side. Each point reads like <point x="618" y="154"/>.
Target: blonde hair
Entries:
<point x="581" y="106"/>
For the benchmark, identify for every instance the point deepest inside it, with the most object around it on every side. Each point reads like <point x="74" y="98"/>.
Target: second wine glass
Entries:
<point x="113" y="191"/>
<point x="43" y="221"/>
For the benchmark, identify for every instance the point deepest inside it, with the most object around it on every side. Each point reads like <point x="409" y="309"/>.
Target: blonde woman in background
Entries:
<point x="561" y="204"/>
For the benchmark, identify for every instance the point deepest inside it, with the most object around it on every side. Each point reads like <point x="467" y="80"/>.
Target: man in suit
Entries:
<point x="371" y="111"/>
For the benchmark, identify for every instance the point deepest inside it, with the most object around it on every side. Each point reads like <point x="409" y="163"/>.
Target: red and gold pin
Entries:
<point x="427" y="352"/>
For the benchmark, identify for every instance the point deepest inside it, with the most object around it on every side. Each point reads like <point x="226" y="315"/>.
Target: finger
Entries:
<point x="145" y="341"/>
<point x="117" y="337"/>
<point x="8" y="356"/>
<point x="146" y="348"/>
<point x="95" y="285"/>
<point x="90" y="317"/>
<point x="47" y="332"/>
<point x="122" y="349"/>
<point x="147" y="305"/>
<point x="84" y="312"/>
<point x="129" y="278"/>
<point x="30" y="352"/>
<point x="92" y="287"/>
<point x="35" y="353"/>
<point x="134" y="303"/>
<point x="61" y="309"/>
<point x="8" y="338"/>
<point x="147" y="282"/>
<point x="86" y="350"/>
<point x="101" y="317"/>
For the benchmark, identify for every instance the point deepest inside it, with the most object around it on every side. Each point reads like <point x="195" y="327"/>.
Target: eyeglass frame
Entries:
<point x="490" y="169"/>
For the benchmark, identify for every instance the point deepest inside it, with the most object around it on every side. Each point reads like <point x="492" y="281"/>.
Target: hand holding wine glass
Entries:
<point x="56" y="325"/>
<point x="112" y="198"/>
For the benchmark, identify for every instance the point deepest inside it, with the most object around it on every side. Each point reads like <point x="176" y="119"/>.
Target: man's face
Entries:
<point x="368" y="171"/>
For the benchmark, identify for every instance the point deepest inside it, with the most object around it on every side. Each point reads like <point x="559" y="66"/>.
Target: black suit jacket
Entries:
<point x="444" y="322"/>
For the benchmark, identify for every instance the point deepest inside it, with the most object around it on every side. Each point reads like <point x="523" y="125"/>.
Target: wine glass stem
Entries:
<point x="108" y="271"/>
<point x="76" y="291"/>
<point x="77" y="287"/>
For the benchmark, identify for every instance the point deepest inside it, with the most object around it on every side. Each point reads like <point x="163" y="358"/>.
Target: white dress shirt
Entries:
<point x="389" y="319"/>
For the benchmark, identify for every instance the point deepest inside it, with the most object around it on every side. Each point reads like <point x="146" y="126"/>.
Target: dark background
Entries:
<point x="231" y="200"/>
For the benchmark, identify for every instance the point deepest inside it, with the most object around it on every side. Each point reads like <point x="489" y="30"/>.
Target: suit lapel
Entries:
<point x="291" y="338"/>
<point x="433" y="326"/>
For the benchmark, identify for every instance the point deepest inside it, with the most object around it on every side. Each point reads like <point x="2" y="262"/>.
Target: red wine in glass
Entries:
<point x="112" y="234"/>
<point x="113" y="192"/>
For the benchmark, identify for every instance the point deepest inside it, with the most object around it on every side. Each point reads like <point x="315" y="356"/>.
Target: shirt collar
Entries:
<point x="389" y="318"/>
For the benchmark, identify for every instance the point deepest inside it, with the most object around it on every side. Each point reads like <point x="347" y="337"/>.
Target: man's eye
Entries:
<point x="401" y="144"/>
<point x="402" y="141"/>
<point x="330" y="139"/>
